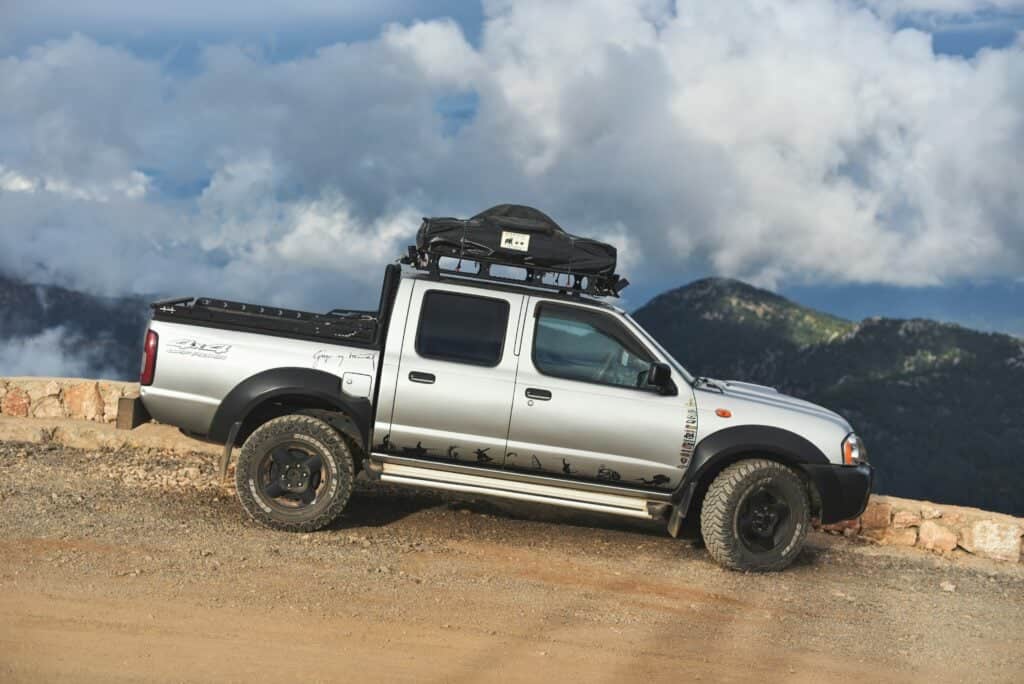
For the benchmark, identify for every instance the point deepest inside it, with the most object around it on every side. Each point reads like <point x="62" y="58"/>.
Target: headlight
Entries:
<point x="854" y="452"/>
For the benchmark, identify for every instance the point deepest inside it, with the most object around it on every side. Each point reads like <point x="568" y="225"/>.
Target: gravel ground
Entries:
<point x="136" y="565"/>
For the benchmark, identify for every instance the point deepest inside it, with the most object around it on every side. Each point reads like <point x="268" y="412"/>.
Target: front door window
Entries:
<point x="577" y="344"/>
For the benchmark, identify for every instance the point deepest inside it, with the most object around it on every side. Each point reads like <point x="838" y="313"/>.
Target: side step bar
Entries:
<point x="522" y="491"/>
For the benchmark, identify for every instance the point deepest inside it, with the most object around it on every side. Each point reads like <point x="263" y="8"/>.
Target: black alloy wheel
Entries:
<point x="291" y="476"/>
<point x="295" y="473"/>
<point x="755" y="516"/>
<point x="763" y="519"/>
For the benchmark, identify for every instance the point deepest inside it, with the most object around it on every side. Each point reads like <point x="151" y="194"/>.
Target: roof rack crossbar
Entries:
<point x="576" y="283"/>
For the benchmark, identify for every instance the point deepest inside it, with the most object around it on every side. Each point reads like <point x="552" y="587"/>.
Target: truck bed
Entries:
<point x="341" y="326"/>
<point x="357" y="328"/>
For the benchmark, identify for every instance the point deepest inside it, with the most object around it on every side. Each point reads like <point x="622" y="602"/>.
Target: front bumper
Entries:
<point x="843" y="490"/>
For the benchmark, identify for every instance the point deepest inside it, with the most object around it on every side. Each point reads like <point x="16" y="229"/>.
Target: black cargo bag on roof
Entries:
<point x="515" y="235"/>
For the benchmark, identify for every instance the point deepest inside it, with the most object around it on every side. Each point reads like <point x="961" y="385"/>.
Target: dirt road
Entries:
<point x="136" y="566"/>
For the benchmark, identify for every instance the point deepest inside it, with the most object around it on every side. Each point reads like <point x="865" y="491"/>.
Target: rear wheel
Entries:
<point x="295" y="473"/>
<point x="755" y="516"/>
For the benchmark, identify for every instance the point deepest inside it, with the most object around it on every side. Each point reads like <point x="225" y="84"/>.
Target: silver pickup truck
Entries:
<point x="497" y="389"/>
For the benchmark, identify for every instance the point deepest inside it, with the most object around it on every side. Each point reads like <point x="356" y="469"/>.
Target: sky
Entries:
<point x="861" y="156"/>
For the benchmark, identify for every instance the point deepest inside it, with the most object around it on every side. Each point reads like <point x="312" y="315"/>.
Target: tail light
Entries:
<point x="148" y="359"/>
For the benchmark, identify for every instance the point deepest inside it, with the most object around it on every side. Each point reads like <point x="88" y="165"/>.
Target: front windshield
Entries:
<point x="654" y="343"/>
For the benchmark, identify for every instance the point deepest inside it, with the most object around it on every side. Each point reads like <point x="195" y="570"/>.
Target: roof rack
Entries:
<point x="576" y="283"/>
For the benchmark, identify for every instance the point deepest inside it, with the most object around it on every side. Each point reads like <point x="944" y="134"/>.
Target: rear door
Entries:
<point x="582" y="408"/>
<point x="456" y="375"/>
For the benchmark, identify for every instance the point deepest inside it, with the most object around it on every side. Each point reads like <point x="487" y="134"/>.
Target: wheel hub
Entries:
<point x="764" y="520"/>
<point x="761" y="519"/>
<point x="292" y="476"/>
<point x="295" y="477"/>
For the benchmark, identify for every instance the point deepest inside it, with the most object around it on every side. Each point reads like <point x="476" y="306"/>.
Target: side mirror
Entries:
<point x="660" y="375"/>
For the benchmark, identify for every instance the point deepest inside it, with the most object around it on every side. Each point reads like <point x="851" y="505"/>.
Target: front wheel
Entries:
<point x="755" y="516"/>
<point x="295" y="473"/>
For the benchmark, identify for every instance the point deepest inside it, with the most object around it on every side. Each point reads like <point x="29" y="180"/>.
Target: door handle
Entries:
<point x="423" y="378"/>
<point x="541" y="394"/>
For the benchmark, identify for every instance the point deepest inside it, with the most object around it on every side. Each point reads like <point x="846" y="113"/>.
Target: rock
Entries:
<point x="83" y="401"/>
<point x="906" y="536"/>
<point x="992" y="539"/>
<point x="40" y="389"/>
<point x="905" y="519"/>
<point x="936" y="537"/>
<point x="876" y="516"/>
<point x="111" y="392"/>
<point x="845" y="527"/>
<point x="952" y="518"/>
<point x="190" y="473"/>
<point x="930" y="512"/>
<point x="48" y="407"/>
<point x="16" y="402"/>
<point x="947" y="586"/>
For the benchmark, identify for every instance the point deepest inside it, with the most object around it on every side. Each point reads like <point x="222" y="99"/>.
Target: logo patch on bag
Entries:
<point x="517" y="241"/>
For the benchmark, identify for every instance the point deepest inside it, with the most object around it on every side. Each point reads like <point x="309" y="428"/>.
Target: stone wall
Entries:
<point x="947" y="530"/>
<point x="78" y="399"/>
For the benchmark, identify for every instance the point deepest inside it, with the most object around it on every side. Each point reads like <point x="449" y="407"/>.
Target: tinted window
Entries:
<point x="573" y="343"/>
<point x="462" y="328"/>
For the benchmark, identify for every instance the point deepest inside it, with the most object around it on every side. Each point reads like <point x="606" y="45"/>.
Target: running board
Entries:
<point x="522" y="491"/>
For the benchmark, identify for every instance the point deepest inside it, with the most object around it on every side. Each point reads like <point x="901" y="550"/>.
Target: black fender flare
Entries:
<point x="785" y="445"/>
<point x="314" y="386"/>
<point x="724" y="446"/>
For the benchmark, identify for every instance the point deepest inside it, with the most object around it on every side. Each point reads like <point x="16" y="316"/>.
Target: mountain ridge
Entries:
<point x="102" y="334"/>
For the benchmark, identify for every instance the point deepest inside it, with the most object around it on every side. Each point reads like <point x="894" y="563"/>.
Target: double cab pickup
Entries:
<point x="497" y="389"/>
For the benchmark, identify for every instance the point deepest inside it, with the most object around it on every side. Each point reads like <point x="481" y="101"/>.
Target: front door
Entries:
<point x="456" y="375"/>
<point x="582" y="408"/>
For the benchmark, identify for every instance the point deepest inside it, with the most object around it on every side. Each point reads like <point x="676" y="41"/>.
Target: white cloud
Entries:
<point x="439" y="49"/>
<point x="306" y="232"/>
<point x="804" y="141"/>
<point x="131" y="186"/>
<point x="12" y="181"/>
<point x="44" y="354"/>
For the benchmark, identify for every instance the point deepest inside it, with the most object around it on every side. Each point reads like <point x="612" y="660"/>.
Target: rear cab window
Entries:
<point x="462" y="328"/>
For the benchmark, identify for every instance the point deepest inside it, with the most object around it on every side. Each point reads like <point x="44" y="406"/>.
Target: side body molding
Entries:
<point x="308" y="388"/>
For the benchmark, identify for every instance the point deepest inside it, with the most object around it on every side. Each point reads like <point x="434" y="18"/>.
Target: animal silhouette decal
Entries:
<point x="418" y="451"/>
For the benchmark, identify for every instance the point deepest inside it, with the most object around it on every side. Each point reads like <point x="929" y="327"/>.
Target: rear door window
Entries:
<point x="462" y="328"/>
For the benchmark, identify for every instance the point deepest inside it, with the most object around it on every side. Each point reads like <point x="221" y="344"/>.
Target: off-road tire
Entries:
<point x="719" y="518"/>
<point x="337" y="472"/>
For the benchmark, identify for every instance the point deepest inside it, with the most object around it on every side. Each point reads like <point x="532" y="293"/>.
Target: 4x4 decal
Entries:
<point x="689" y="434"/>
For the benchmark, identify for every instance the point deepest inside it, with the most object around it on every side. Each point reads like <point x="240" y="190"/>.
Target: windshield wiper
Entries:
<point x="709" y="383"/>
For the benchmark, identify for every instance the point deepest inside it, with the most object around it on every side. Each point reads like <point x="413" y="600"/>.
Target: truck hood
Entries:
<point x="770" y="397"/>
